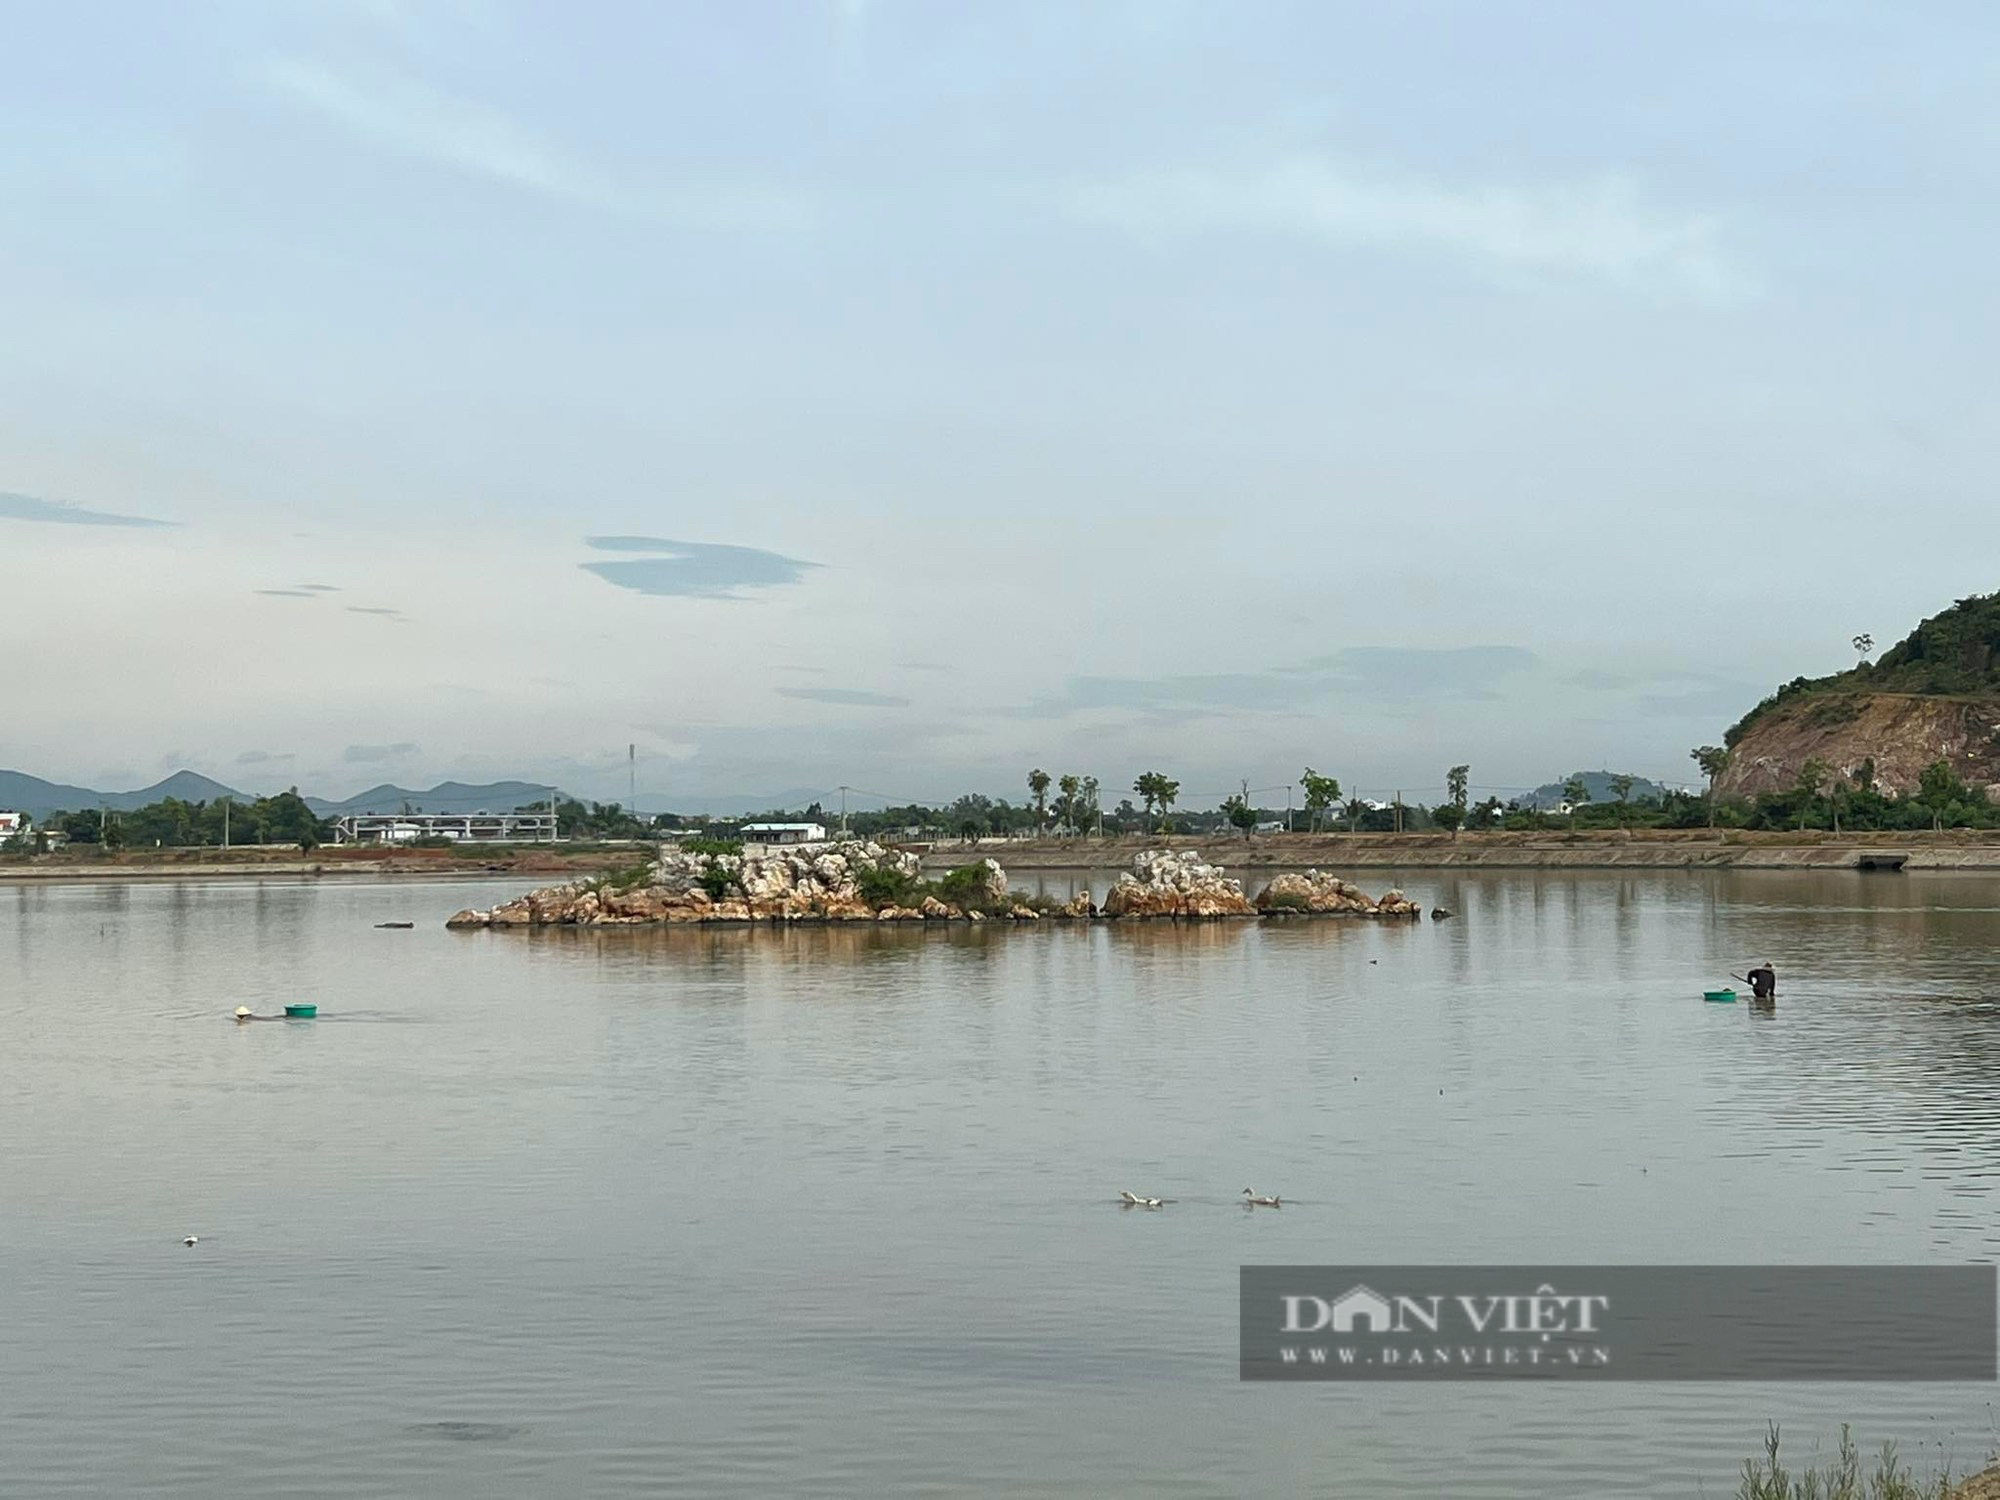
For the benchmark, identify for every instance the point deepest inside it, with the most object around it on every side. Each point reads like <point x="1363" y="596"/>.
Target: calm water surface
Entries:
<point x="830" y="1211"/>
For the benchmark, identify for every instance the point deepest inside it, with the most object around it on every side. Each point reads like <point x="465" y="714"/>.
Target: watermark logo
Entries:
<point x="1619" y="1322"/>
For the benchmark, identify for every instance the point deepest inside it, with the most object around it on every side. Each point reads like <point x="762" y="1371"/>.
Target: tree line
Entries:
<point x="172" y="822"/>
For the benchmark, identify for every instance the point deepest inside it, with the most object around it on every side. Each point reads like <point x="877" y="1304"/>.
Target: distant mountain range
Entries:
<point x="32" y="795"/>
<point x="1598" y="784"/>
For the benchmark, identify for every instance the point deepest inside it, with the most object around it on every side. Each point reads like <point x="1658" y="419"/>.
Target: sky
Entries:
<point x="905" y="394"/>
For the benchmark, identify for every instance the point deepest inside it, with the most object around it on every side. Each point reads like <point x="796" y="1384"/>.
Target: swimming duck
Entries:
<point x="1133" y="1200"/>
<point x="191" y="1241"/>
<point x="1251" y="1200"/>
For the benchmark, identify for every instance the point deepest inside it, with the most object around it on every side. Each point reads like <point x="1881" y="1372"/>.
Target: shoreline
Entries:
<point x="1638" y="849"/>
<point x="167" y="865"/>
<point x="1974" y="851"/>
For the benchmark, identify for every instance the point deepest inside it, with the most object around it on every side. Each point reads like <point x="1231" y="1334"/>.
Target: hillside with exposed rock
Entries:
<point x="1934" y="696"/>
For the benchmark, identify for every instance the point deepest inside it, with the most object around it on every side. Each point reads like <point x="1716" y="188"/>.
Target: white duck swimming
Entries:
<point x="1252" y="1200"/>
<point x="1133" y="1200"/>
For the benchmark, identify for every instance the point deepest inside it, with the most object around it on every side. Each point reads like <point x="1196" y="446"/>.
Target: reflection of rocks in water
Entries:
<point x="469" y="1432"/>
<point x="1177" y="937"/>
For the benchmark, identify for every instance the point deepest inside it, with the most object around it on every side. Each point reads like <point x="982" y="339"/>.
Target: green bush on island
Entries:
<point x="882" y="886"/>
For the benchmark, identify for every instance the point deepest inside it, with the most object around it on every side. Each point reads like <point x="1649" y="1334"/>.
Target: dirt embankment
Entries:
<point x="1651" y="848"/>
<point x="1902" y="735"/>
<point x="273" y="860"/>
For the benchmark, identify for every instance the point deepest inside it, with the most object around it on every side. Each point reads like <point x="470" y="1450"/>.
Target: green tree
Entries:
<point x="1354" y="809"/>
<point x="1457" y="781"/>
<point x="1449" y="816"/>
<point x="1322" y="795"/>
<point x="1089" y="808"/>
<point x="1066" y="804"/>
<point x="285" y="819"/>
<point x="1713" y="760"/>
<point x="1576" y="794"/>
<point x="1812" y="777"/>
<point x="1937" y="789"/>
<point x="1159" y="791"/>
<point x="1240" y="814"/>
<point x="79" y="827"/>
<point x="1621" y="788"/>
<point x="1038" y="783"/>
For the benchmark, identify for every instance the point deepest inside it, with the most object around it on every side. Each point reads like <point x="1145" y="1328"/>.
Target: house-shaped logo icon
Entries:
<point x="1365" y="1304"/>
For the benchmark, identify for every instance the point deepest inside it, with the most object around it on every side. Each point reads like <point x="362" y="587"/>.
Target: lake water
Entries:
<point x="831" y="1211"/>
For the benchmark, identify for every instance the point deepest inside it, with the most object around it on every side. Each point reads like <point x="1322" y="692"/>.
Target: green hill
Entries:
<point x="1953" y="654"/>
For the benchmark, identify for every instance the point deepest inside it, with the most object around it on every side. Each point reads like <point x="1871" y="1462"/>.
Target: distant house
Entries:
<point x="784" y="833"/>
<point x="15" y="825"/>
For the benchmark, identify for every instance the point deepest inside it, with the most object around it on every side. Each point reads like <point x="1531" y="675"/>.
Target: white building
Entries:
<point x="12" y="825"/>
<point x="784" y="833"/>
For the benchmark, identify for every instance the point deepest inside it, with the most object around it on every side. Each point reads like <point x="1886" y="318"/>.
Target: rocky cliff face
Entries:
<point x="1900" y="734"/>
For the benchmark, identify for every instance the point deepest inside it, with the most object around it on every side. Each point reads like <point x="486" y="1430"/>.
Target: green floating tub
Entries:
<point x="307" y="1012"/>
<point x="1721" y="997"/>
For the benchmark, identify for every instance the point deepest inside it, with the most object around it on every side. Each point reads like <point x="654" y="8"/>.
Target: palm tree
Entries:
<point x="1621" y="788"/>
<point x="1066" y="803"/>
<point x="1038" y="783"/>
<point x="1575" y="793"/>
<point x="1713" y="760"/>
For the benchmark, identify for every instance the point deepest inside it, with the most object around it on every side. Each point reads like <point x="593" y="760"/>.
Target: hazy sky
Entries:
<point x="904" y="393"/>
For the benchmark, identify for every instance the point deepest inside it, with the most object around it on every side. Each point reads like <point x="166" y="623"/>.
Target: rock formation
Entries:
<point x="1161" y="884"/>
<point x="811" y="882"/>
<point x="856" y="881"/>
<point x="1316" y="893"/>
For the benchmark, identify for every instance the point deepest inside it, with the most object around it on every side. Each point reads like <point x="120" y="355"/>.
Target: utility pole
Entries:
<point x="632" y="780"/>
<point x="1288" y="807"/>
<point x="843" y="811"/>
<point x="1399" y="809"/>
<point x="225" y="823"/>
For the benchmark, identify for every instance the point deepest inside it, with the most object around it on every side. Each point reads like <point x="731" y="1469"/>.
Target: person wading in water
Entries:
<point x="1763" y="982"/>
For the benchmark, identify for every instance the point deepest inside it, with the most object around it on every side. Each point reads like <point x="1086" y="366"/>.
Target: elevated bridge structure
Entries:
<point x="461" y="828"/>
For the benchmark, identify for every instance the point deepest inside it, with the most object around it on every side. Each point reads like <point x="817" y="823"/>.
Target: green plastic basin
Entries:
<point x="302" y="1012"/>
<point x="1720" y="996"/>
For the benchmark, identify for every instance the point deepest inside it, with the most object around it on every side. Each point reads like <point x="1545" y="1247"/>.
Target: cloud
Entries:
<point x="410" y="120"/>
<point x="849" y="697"/>
<point x="406" y="118"/>
<point x="1419" y="672"/>
<point x="924" y="666"/>
<point x="692" y="570"/>
<point x="1673" y="693"/>
<point x="286" y="593"/>
<point x="318" y="588"/>
<point x="374" y="609"/>
<point x="27" y="508"/>
<point x="1598" y="230"/>
<point x="261" y="758"/>
<point x="1385" y="674"/>
<point x="356" y="755"/>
